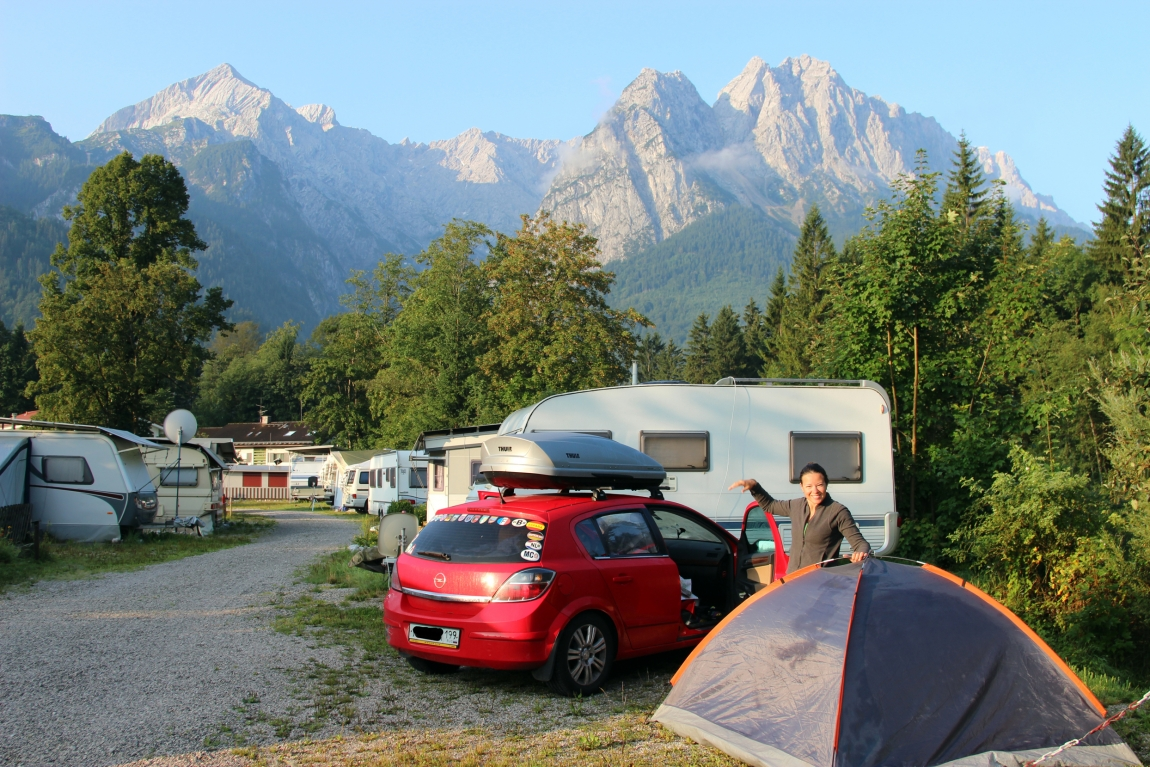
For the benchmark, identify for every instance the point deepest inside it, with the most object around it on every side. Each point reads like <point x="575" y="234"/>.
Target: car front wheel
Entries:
<point x="584" y="653"/>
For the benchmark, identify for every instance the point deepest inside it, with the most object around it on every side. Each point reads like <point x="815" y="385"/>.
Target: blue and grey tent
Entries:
<point x="881" y="663"/>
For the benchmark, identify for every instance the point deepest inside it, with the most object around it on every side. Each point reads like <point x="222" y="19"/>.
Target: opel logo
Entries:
<point x="440" y="580"/>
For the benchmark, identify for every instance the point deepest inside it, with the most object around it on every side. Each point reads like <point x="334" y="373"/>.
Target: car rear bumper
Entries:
<point x="497" y="636"/>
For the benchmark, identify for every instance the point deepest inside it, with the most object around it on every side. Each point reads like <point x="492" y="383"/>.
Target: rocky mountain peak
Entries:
<point x="320" y="114"/>
<point x="221" y="98"/>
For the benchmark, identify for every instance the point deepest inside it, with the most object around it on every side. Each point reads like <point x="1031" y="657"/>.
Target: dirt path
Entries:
<point x="131" y="665"/>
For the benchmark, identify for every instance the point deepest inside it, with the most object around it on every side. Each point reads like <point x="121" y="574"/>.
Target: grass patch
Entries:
<point x="64" y="560"/>
<point x="1115" y="691"/>
<point x="628" y="739"/>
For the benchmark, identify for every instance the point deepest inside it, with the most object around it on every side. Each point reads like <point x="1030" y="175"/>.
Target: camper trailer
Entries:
<point x="195" y="480"/>
<point x="85" y="483"/>
<point x="334" y="472"/>
<point x="708" y="436"/>
<point x="354" y="488"/>
<point x="396" y="475"/>
<point x="453" y="463"/>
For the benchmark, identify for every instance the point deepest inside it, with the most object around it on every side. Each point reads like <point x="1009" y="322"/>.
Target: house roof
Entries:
<point x="278" y="434"/>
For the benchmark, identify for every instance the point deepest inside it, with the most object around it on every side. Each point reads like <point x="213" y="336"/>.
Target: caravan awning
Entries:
<point x="128" y="436"/>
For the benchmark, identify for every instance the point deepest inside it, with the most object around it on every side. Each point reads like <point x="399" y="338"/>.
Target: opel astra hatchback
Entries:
<point x="564" y="584"/>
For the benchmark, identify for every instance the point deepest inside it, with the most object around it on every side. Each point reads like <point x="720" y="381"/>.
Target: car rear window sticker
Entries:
<point x="531" y="555"/>
<point x="534" y="545"/>
<point x="536" y="526"/>
<point x="534" y="536"/>
<point x="505" y="520"/>
<point x="519" y="522"/>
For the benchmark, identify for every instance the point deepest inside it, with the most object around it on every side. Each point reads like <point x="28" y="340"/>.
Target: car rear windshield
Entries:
<point x="480" y="538"/>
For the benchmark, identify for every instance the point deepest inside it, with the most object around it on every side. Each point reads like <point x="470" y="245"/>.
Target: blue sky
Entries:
<point x="1053" y="84"/>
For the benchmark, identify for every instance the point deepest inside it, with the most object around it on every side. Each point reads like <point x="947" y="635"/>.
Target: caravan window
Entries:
<point x="839" y="452"/>
<point x="417" y="477"/>
<point x="476" y="477"/>
<point x="678" y="450"/>
<point x="67" y="470"/>
<point x="363" y="478"/>
<point x="437" y="476"/>
<point x="183" y="476"/>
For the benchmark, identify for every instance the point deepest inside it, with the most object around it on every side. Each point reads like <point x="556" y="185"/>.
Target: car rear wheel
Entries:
<point x="584" y="653"/>
<point x="431" y="666"/>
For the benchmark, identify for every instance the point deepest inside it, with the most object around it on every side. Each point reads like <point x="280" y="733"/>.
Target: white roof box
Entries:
<point x="567" y="460"/>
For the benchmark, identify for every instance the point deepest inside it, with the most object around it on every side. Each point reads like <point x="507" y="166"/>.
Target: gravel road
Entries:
<point x="132" y="665"/>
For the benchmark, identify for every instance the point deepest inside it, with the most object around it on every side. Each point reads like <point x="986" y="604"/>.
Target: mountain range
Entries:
<point x="289" y="200"/>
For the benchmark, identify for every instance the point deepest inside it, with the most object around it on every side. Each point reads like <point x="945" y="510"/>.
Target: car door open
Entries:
<point x="762" y="557"/>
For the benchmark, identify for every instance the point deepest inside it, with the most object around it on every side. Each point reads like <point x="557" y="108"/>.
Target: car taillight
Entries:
<point x="525" y="585"/>
<point x="395" y="584"/>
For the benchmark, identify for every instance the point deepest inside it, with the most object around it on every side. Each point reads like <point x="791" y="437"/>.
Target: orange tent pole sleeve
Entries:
<point x="734" y="613"/>
<point x="843" y="675"/>
<point x="1061" y="664"/>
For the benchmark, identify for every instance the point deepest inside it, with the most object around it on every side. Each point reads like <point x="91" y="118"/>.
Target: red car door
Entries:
<point x="643" y="580"/>
<point x="764" y="557"/>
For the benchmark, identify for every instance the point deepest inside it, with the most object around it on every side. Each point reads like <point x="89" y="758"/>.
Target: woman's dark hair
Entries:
<point x="814" y="468"/>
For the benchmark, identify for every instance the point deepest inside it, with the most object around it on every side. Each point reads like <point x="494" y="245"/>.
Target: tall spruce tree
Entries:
<point x="755" y="337"/>
<point x="1122" y="235"/>
<point x="697" y="365"/>
<point x="17" y="369"/>
<point x="966" y="195"/>
<point x="803" y="311"/>
<point x="647" y="353"/>
<point x="728" y="349"/>
<point x="772" y="321"/>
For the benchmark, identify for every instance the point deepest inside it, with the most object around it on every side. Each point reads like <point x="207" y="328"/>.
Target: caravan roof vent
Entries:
<point x="567" y="460"/>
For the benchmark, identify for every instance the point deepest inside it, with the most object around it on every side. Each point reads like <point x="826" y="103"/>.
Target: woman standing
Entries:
<point x="818" y="523"/>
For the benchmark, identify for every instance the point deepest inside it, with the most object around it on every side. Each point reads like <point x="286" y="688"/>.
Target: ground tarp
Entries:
<point x="882" y="663"/>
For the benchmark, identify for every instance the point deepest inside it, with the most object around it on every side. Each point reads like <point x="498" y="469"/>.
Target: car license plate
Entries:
<point x="433" y="635"/>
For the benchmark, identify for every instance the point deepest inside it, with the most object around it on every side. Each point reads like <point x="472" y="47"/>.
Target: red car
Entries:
<point x="565" y="584"/>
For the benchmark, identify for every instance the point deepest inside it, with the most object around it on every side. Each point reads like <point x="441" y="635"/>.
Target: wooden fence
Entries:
<point x="258" y="493"/>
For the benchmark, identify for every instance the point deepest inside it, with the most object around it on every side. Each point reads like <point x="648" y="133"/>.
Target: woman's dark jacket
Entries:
<point x="823" y="535"/>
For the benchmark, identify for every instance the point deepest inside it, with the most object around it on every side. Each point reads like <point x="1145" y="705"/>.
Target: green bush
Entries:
<point x="8" y="551"/>
<point x="1047" y="545"/>
<point x="406" y="507"/>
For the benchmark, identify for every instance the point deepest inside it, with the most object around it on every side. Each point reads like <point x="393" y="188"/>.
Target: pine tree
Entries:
<point x="1041" y="240"/>
<point x="17" y="368"/>
<point x="697" y="366"/>
<point x="728" y="350"/>
<point x="669" y="363"/>
<point x="966" y="195"/>
<point x="1122" y="236"/>
<point x="647" y="352"/>
<point x="804" y="308"/>
<point x="755" y="336"/>
<point x="772" y="321"/>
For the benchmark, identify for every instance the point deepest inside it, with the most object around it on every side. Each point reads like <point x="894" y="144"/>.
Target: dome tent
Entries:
<point x="880" y="663"/>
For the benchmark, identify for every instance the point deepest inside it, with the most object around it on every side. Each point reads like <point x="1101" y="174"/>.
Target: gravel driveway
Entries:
<point x="131" y="665"/>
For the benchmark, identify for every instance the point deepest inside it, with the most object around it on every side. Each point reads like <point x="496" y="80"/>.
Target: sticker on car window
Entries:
<point x="505" y="520"/>
<point x="534" y="536"/>
<point x="534" y="545"/>
<point x="519" y="522"/>
<point x="536" y="526"/>
<point x="531" y="555"/>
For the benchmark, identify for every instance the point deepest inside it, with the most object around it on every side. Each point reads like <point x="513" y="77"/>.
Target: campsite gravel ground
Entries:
<point x="128" y="665"/>
<point x="182" y="657"/>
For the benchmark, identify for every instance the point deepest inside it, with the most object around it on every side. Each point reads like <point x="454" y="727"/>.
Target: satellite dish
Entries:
<point x="395" y="532"/>
<point x="180" y="426"/>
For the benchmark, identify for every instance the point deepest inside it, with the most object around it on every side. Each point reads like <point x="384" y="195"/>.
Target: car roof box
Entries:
<point x="567" y="460"/>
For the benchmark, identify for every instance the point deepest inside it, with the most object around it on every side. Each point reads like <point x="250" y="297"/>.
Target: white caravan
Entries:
<point x="333" y="475"/>
<point x="396" y="475"/>
<point x="85" y="483"/>
<point x="454" y="456"/>
<point x="196" y="480"/>
<point x="354" y="489"/>
<point x="708" y="436"/>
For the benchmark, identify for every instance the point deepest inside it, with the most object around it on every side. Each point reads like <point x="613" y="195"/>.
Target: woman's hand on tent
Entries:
<point x="858" y="556"/>
<point x="744" y="484"/>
